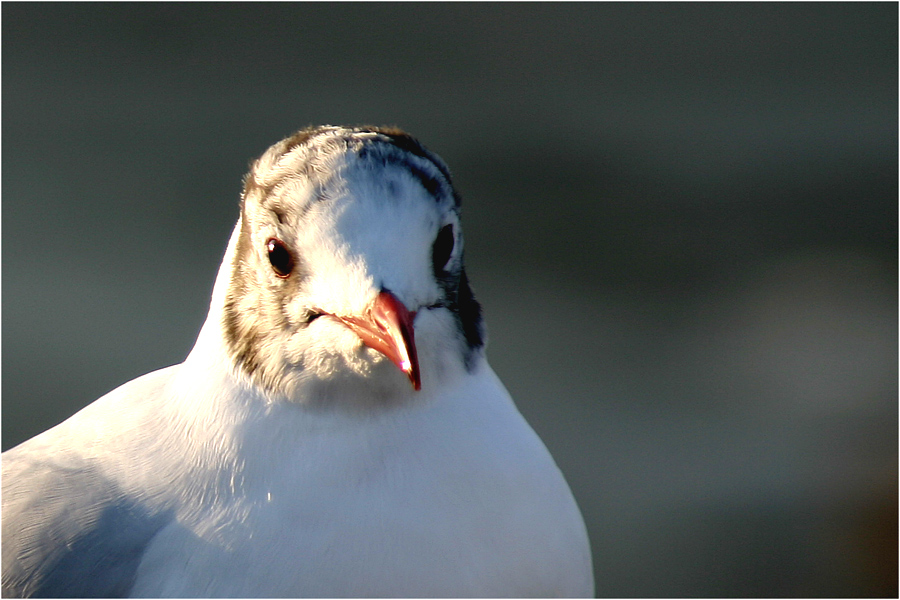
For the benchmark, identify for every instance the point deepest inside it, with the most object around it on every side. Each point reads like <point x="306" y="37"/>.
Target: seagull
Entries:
<point x="336" y="430"/>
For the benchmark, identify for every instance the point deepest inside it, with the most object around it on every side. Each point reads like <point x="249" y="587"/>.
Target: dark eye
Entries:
<point x="443" y="248"/>
<point x="280" y="257"/>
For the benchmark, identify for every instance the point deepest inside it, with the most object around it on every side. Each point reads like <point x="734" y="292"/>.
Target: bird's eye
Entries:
<point x="280" y="257"/>
<point x="443" y="248"/>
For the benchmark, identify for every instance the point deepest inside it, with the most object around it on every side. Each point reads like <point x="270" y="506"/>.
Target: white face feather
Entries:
<point x="358" y="215"/>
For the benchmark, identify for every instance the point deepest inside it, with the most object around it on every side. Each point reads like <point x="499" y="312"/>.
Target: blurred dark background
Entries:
<point x="681" y="220"/>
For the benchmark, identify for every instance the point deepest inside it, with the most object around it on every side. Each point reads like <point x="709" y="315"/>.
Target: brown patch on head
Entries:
<point x="301" y="137"/>
<point x="243" y="340"/>
<point x="254" y="312"/>
<point x="241" y="337"/>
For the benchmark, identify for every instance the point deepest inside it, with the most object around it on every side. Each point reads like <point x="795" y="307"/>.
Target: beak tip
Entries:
<point x="412" y="371"/>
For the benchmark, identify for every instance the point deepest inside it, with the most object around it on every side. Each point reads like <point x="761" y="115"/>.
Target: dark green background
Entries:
<point x="681" y="220"/>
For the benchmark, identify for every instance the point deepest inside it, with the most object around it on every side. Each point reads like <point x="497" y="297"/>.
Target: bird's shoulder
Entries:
<point x="68" y="527"/>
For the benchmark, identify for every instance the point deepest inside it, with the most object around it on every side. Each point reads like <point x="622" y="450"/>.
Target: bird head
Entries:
<point x="346" y="267"/>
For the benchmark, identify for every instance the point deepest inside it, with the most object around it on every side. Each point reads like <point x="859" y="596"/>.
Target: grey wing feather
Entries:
<point x="68" y="532"/>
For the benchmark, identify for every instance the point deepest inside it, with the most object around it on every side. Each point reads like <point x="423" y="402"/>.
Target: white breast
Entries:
<point x="452" y="496"/>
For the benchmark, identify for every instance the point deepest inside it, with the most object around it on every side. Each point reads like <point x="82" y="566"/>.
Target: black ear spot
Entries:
<point x="442" y="249"/>
<point x="280" y="257"/>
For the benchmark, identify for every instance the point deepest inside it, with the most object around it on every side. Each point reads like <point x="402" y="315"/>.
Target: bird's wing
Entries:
<point x="68" y="529"/>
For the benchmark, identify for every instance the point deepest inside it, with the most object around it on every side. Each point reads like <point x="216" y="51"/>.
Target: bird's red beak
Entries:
<point x="388" y="328"/>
